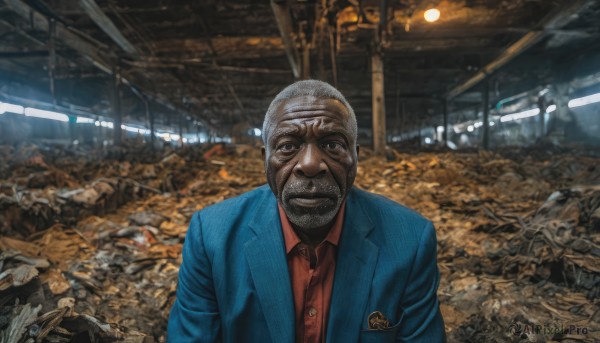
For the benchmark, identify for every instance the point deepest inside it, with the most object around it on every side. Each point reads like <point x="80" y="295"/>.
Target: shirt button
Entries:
<point x="312" y="312"/>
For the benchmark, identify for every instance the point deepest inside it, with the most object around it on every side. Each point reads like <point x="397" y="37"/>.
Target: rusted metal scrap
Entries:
<point x="517" y="232"/>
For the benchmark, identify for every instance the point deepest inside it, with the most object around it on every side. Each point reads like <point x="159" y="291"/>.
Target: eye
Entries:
<point x="332" y="146"/>
<point x="288" y="147"/>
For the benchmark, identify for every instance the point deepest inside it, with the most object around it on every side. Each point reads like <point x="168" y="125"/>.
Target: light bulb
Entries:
<point x="432" y="15"/>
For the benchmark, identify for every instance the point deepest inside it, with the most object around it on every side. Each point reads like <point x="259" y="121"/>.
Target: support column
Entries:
<point x="486" y="114"/>
<point x="542" y="106"/>
<point x="52" y="59"/>
<point x="542" y="123"/>
<point x="286" y="28"/>
<point x="305" y="60"/>
<point x="420" y="135"/>
<point x="333" y="59"/>
<point x="181" y="128"/>
<point x="378" y="103"/>
<point x="445" y="112"/>
<point x="321" y="75"/>
<point x="404" y="120"/>
<point x="396" y="129"/>
<point x="73" y="132"/>
<point x="150" y="115"/>
<point x="561" y="99"/>
<point x="116" y="108"/>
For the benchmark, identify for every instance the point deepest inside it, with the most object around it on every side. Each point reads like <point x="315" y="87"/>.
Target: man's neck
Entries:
<point x="315" y="236"/>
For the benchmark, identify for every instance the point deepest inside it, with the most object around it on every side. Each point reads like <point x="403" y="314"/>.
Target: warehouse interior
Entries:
<point x="120" y="119"/>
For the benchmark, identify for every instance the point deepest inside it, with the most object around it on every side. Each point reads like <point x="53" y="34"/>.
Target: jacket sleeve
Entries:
<point x="423" y="319"/>
<point x="194" y="316"/>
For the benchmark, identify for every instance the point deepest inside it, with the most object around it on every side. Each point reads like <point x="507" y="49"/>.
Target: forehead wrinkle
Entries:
<point x="309" y="113"/>
<point x="330" y="108"/>
<point x="322" y="127"/>
<point x="332" y="112"/>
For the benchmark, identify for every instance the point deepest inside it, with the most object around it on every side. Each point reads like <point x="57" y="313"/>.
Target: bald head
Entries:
<point x="310" y="88"/>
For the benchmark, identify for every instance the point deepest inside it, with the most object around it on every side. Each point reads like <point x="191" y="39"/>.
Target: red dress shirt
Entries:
<point x="311" y="273"/>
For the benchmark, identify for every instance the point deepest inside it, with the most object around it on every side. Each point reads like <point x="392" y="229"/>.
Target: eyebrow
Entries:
<point x="292" y="131"/>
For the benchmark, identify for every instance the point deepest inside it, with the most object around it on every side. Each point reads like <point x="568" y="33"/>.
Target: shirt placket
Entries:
<point x="313" y="315"/>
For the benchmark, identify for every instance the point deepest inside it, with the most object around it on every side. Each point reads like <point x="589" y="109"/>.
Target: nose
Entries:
<point x="310" y="162"/>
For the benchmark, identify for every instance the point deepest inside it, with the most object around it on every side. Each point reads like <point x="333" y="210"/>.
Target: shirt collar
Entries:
<point x="291" y="238"/>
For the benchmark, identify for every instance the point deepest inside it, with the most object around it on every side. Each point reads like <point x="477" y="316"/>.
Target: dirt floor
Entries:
<point x="91" y="241"/>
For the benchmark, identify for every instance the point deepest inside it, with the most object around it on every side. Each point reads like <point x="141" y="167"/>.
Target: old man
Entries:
<point x="308" y="257"/>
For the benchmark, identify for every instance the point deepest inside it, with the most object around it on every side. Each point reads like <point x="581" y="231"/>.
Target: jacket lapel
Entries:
<point x="356" y="261"/>
<point x="268" y="265"/>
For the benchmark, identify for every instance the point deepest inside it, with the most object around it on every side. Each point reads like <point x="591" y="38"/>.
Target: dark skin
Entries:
<point x="310" y="145"/>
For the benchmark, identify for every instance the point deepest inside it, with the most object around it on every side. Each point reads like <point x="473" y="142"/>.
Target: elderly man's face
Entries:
<point x="310" y="159"/>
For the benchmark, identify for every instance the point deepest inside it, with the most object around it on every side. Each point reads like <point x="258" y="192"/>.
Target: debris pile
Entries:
<point x="518" y="238"/>
<point x="35" y="194"/>
<point x="105" y="269"/>
<point x="91" y="244"/>
<point x="560" y="242"/>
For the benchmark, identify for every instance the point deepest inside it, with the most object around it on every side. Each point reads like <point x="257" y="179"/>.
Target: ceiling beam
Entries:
<point x="103" y="60"/>
<point x="85" y="48"/>
<point x="556" y="21"/>
<point x="224" y="77"/>
<point x="23" y="54"/>
<point x="286" y="28"/>
<point x="105" y="24"/>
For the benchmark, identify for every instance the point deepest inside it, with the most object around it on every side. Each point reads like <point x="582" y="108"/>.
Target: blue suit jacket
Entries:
<point x="234" y="284"/>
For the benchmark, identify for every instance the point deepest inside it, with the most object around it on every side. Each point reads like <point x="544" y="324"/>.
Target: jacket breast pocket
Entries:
<point x="386" y="335"/>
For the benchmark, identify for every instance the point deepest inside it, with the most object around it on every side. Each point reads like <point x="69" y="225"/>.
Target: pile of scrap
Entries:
<point x="560" y="242"/>
<point x="38" y="191"/>
<point x="518" y="237"/>
<point x="116" y="268"/>
<point x="39" y="301"/>
<point x="551" y="258"/>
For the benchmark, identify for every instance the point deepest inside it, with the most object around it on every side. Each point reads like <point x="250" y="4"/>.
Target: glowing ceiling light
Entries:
<point x="84" y="120"/>
<point x="34" y="112"/>
<point x="130" y="128"/>
<point x="586" y="100"/>
<point x="432" y="15"/>
<point x="520" y="115"/>
<point x="257" y="132"/>
<point x="551" y="109"/>
<point x="12" y="108"/>
<point x="107" y="124"/>
<point x="470" y="128"/>
<point x="134" y="129"/>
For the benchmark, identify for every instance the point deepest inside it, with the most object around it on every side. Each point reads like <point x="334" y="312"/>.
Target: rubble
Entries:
<point x="93" y="255"/>
<point x="35" y="194"/>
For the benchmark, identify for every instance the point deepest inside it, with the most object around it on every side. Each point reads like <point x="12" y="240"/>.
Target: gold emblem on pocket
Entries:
<point x="377" y="321"/>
